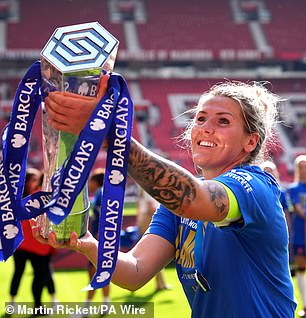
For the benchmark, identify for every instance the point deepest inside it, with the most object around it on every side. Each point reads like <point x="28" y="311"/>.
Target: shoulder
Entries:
<point x="248" y="179"/>
<point x="295" y="186"/>
<point x="255" y="191"/>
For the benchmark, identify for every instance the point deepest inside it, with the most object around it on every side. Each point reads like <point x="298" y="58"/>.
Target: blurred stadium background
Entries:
<point x="170" y="52"/>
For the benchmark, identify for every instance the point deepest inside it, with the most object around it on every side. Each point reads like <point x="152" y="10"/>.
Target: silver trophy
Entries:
<point x="72" y="61"/>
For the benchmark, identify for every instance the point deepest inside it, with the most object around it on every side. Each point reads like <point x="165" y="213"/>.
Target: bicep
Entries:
<point x="211" y="202"/>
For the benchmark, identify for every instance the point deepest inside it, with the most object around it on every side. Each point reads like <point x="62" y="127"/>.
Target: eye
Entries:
<point x="200" y="118"/>
<point x="224" y="121"/>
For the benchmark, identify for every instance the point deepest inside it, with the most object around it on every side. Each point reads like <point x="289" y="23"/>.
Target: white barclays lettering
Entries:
<point x="5" y="201"/>
<point x="56" y="181"/>
<point x="23" y="106"/>
<point x="110" y="233"/>
<point x="74" y="173"/>
<point x="45" y="199"/>
<point x="120" y="133"/>
<point x="14" y="177"/>
<point x="106" y="108"/>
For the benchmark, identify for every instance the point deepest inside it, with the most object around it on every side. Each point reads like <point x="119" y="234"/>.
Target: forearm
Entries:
<point x="134" y="268"/>
<point x="176" y="188"/>
<point x="170" y="184"/>
<point x="126" y="273"/>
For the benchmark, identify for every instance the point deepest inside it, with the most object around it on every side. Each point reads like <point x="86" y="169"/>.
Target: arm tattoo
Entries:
<point x="168" y="183"/>
<point x="218" y="197"/>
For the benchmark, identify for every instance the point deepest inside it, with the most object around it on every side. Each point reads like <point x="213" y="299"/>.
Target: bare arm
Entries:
<point x="175" y="187"/>
<point x="171" y="185"/>
<point x="133" y="269"/>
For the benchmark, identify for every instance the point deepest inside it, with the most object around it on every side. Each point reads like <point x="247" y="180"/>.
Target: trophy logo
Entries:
<point x="72" y="61"/>
<point x="72" y="48"/>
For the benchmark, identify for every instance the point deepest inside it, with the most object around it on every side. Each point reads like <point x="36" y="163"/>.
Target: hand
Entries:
<point x="86" y="245"/>
<point x="70" y="112"/>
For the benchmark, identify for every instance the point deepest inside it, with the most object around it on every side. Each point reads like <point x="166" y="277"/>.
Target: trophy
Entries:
<point x="71" y="61"/>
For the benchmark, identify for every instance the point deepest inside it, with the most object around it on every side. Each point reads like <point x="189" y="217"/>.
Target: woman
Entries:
<point x="297" y="193"/>
<point x="38" y="254"/>
<point x="229" y="225"/>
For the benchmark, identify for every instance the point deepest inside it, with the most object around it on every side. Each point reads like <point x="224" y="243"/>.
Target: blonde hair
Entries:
<point x="297" y="161"/>
<point x="270" y="167"/>
<point x="259" y="108"/>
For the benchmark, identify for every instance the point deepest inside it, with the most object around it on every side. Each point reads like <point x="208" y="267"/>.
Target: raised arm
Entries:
<point x="175" y="187"/>
<point x="171" y="185"/>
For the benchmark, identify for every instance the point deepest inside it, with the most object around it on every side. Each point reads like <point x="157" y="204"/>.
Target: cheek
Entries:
<point x="194" y="131"/>
<point x="193" y="139"/>
<point x="234" y="136"/>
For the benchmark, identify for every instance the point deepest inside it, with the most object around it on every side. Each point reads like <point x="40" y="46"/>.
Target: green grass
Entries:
<point x="168" y="303"/>
<point x="130" y="208"/>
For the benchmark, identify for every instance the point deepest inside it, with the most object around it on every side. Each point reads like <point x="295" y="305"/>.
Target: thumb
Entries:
<point x="103" y="85"/>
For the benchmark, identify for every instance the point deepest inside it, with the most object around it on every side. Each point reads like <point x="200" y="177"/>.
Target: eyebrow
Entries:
<point x="220" y="113"/>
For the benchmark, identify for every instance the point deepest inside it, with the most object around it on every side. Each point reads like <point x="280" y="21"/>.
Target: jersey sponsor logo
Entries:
<point x="242" y="177"/>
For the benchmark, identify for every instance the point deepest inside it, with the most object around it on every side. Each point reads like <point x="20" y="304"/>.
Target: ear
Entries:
<point x="251" y="142"/>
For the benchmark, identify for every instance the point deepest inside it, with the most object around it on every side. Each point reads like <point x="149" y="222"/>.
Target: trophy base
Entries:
<point x="74" y="222"/>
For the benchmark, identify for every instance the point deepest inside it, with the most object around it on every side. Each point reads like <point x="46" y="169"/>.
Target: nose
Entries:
<point x="208" y="127"/>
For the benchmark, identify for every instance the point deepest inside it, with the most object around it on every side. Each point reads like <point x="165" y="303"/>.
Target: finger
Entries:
<point x="59" y="95"/>
<point x="66" y="110"/>
<point x="57" y="103"/>
<point x="77" y="96"/>
<point x="74" y="240"/>
<point x="53" y="241"/>
<point x="70" y="101"/>
<point x="55" y="115"/>
<point x="103" y="85"/>
<point x="61" y="126"/>
<point x="36" y="233"/>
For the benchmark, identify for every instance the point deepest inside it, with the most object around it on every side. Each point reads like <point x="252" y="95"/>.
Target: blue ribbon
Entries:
<point x="111" y="118"/>
<point x="112" y="205"/>
<point x="15" y="141"/>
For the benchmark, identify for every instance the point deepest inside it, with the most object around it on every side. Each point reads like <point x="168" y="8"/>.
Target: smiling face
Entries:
<point x="218" y="136"/>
